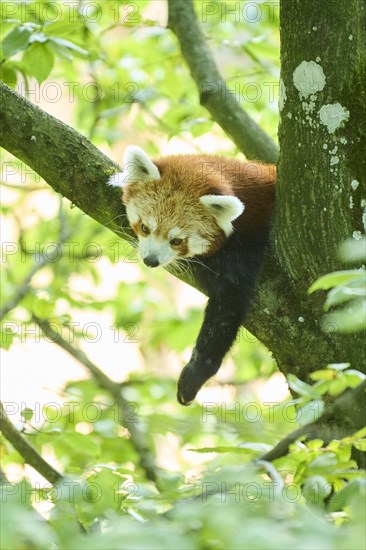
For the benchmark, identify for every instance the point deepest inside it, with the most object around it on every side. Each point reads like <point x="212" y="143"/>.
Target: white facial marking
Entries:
<point x="137" y="167"/>
<point x="224" y="208"/>
<point x="151" y="223"/>
<point x="176" y="232"/>
<point x="132" y="213"/>
<point x="158" y="248"/>
<point x="197" y="245"/>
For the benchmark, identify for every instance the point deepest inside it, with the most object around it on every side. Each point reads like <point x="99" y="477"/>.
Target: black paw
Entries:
<point x="188" y="385"/>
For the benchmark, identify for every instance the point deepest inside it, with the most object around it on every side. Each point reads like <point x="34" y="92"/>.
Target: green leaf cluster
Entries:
<point x="348" y="288"/>
<point x="122" y="64"/>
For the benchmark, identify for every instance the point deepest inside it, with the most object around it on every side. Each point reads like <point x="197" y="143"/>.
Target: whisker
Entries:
<point x="180" y="269"/>
<point x="116" y="218"/>
<point x="199" y="262"/>
<point x="126" y="235"/>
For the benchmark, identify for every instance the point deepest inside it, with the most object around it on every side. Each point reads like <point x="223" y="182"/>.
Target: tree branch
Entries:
<point x="336" y="422"/>
<point x="26" y="450"/>
<point x="66" y="160"/>
<point x="137" y="437"/>
<point x="23" y="287"/>
<point x="46" y="144"/>
<point x="245" y="133"/>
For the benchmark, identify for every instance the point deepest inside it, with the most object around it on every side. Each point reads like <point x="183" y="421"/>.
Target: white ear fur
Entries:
<point x="225" y="209"/>
<point x="137" y="167"/>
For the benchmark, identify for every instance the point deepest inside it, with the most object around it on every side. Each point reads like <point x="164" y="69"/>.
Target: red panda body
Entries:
<point x="208" y="207"/>
<point x="197" y="175"/>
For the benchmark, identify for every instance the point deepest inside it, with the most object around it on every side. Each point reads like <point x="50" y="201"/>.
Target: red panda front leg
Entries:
<point x="237" y="267"/>
<point x="223" y="317"/>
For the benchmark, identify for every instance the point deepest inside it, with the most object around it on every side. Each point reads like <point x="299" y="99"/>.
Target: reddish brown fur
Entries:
<point x="253" y="183"/>
<point x="186" y="178"/>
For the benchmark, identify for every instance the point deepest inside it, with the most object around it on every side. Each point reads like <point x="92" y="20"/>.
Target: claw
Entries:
<point x="187" y="385"/>
<point x="183" y="402"/>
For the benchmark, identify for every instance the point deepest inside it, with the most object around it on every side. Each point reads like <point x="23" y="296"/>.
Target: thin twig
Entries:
<point x="24" y="285"/>
<point x="137" y="436"/>
<point x="213" y="90"/>
<point x="30" y="455"/>
<point x="272" y="472"/>
<point x="335" y="423"/>
<point x="43" y="260"/>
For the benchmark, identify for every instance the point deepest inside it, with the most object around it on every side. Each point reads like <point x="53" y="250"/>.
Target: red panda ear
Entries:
<point x="224" y="208"/>
<point x="137" y="167"/>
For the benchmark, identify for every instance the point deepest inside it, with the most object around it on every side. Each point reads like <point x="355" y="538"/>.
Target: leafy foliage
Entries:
<point x="113" y="61"/>
<point x="349" y="288"/>
<point x="94" y="57"/>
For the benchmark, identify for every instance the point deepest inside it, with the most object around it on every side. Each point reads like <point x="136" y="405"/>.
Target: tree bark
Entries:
<point x="305" y="237"/>
<point x="322" y="168"/>
<point x="223" y="107"/>
<point x="25" y="449"/>
<point x="66" y="160"/>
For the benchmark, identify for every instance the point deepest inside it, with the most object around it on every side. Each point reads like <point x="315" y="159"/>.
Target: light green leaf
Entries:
<point x="338" y="386"/>
<point x="338" y="366"/>
<point x="315" y="444"/>
<point x="360" y="434"/>
<point x="27" y="414"/>
<point x="243" y="449"/>
<point x="356" y="488"/>
<point x="62" y="28"/>
<point x="16" y="41"/>
<point x="354" y="377"/>
<point x="334" y="279"/>
<point x="340" y="294"/>
<point x="360" y="444"/>
<point x="344" y="453"/>
<point x="255" y="446"/>
<point x="42" y="308"/>
<point x="81" y="443"/>
<point x="67" y="45"/>
<point x="316" y="489"/>
<point x="301" y="387"/>
<point x="310" y="412"/>
<point x="8" y="75"/>
<point x="349" y="319"/>
<point x="38" y="61"/>
<point x="324" y="462"/>
<point x="6" y="338"/>
<point x="323" y="374"/>
<point x="198" y="126"/>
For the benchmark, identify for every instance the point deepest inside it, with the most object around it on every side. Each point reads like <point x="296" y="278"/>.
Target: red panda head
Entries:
<point x="175" y="206"/>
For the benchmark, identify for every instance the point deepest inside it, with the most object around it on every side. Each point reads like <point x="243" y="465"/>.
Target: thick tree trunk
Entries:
<point x="322" y="166"/>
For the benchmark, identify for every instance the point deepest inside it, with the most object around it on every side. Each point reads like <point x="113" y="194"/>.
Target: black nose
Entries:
<point x="151" y="261"/>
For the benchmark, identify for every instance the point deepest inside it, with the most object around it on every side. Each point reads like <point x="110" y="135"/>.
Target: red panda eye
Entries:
<point x="176" y="242"/>
<point x="145" y="229"/>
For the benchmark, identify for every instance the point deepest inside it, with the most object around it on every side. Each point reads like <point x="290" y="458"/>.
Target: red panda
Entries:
<point x="215" y="211"/>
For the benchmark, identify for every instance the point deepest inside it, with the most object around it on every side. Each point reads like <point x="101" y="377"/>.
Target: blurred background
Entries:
<point x="118" y="77"/>
<point x="93" y="342"/>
